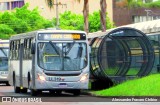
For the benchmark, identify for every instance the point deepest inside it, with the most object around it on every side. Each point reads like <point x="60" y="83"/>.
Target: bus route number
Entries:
<point x="69" y="36"/>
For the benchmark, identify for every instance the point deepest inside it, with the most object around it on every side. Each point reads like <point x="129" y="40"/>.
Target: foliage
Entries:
<point x="73" y="21"/>
<point x="155" y="4"/>
<point x="5" y="31"/>
<point x="135" y="4"/>
<point x="23" y="20"/>
<point x="94" y="22"/>
<point x="148" y="1"/>
<point x="138" y="3"/>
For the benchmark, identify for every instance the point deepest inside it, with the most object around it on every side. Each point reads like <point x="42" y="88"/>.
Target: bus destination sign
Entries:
<point x="73" y="36"/>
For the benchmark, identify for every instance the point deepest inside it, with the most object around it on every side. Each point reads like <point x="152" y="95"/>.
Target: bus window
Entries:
<point x="49" y="58"/>
<point x="4" y="59"/>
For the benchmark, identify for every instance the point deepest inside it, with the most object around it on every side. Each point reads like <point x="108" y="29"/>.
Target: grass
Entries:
<point x="113" y="71"/>
<point x="146" y="86"/>
<point x="132" y="71"/>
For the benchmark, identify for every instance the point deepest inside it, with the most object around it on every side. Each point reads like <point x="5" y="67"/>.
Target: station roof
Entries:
<point x="146" y="27"/>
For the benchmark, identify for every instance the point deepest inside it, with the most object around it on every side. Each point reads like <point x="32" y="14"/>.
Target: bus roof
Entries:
<point x="34" y="33"/>
<point x="4" y="43"/>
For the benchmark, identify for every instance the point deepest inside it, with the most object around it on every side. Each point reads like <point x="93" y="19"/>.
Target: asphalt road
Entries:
<point x="63" y="99"/>
<point x="47" y="97"/>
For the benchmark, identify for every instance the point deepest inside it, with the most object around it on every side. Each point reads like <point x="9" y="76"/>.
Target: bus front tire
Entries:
<point x="34" y="92"/>
<point x="55" y="92"/>
<point x="7" y="84"/>
<point x="24" y="90"/>
<point x="76" y="92"/>
<point x="58" y="92"/>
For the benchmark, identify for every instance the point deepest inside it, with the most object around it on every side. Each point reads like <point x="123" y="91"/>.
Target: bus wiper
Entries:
<point x="54" y="47"/>
<point x="70" y="48"/>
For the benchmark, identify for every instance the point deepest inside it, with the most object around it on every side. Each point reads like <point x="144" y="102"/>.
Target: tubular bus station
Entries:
<point x="120" y="54"/>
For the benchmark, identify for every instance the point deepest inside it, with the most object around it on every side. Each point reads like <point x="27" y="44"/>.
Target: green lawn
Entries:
<point x="146" y="86"/>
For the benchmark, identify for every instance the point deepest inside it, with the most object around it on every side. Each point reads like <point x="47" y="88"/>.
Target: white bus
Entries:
<point x="49" y="60"/>
<point x="4" y="48"/>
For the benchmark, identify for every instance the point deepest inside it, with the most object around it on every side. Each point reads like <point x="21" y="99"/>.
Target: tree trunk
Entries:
<point x="103" y="6"/>
<point x="86" y="14"/>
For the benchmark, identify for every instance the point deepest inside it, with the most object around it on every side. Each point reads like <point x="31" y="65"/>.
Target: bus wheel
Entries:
<point x="24" y="90"/>
<point x="7" y="84"/>
<point x="33" y="92"/>
<point x="52" y="91"/>
<point x="58" y="92"/>
<point x="16" y="89"/>
<point x="76" y="92"/>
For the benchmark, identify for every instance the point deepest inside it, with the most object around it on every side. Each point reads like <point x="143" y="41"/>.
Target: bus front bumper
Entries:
<point x="3" y="78"/>
<point x="44" y="85"/>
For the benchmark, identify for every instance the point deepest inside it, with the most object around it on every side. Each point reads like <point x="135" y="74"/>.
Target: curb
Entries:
<point x="87" y="93"/>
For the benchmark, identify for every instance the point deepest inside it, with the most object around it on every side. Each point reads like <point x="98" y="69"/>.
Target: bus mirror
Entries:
<point x="33" y="48"/>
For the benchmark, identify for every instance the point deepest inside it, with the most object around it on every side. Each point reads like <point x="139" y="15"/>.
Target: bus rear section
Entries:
<point x="4" y="48"/>
<point x="59" y="62"/>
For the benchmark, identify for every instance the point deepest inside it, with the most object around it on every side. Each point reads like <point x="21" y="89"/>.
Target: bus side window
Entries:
<point x="27" y="49"/>
<point x="11" y="50"/>
<point x="32" y="47"/>
<point x="18" y="47"/>
<point x="29" y="53"/>
<point x="14" y="50"/>
<point x="24" y="49"/>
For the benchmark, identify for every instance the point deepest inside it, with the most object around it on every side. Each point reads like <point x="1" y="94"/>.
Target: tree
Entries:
<point x="5" y="31"/>
<point x="50" y="4"/>
<point x="86" y="15"/>
<point x="75" y="21"/>
<point x="21" y="20"/>
<point x="147" y="1"/>
<point x="103" y="14"/>
<point x="71" y="21"/>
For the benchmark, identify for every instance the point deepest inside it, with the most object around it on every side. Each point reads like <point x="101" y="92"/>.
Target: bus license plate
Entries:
<point x="62" y="85"/>
<point x="3" y="72"/>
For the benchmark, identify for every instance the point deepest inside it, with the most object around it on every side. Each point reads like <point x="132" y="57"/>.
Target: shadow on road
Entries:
<point x="48" y="94"/>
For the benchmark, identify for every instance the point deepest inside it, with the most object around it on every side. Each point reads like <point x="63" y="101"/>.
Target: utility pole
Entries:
<point x="57" y="12"/>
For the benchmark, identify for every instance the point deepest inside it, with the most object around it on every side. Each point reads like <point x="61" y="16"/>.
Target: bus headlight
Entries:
<point x="84" y="77"/>
<point x="41" y="77"/>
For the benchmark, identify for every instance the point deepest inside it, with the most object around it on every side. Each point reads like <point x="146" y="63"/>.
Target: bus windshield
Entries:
<point x="68" y="56"/>
<point x="4" y="52"/>
<point x="4" y="59"/>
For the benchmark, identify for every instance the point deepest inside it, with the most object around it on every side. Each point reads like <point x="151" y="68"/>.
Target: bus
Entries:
<point x="4" y="48"/>
<point x="49" y="60"/>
